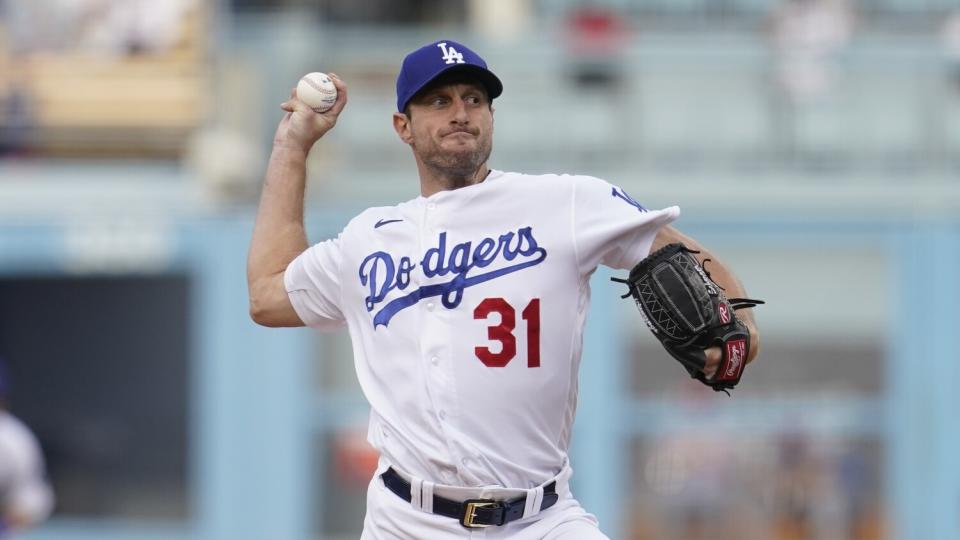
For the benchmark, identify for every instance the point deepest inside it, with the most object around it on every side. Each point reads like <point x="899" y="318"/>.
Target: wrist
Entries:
<point x="290" y="148"/>
<point x="754" y="341"/>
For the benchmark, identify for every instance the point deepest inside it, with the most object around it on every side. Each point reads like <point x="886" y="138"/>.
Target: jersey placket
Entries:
<point x="436" y="349"/>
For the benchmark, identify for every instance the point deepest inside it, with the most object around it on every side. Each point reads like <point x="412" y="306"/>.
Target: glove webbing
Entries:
<point x="718" y="292"/>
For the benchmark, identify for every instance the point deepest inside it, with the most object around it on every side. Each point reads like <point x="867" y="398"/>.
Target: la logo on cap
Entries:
<point x="450" y="55"/>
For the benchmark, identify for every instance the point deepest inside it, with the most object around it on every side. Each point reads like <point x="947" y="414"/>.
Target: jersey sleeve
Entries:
<point x="28" y="494"/>
<point x="313" y="283"/>
<point x="610" y="227"/>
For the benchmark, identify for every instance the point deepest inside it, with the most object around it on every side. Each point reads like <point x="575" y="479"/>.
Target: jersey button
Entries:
<point x="434" y="360"/>
<point x="431" y="206"/>
<point x="430" y="306"/>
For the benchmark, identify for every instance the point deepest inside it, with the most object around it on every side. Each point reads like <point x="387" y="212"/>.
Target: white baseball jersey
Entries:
<point x="23" y="488"/>
<point x="466" y="312"/>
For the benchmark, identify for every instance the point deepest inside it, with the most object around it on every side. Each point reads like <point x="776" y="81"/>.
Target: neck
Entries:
<point x="434" y="180"/>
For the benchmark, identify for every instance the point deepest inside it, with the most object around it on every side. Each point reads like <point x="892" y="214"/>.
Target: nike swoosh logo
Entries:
<point x="383" y="222"/>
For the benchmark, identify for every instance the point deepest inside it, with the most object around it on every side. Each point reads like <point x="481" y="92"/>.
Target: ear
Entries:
<point x="401" y="124"/>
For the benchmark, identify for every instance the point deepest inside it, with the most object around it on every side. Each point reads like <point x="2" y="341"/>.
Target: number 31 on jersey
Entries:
<point x="503" y="332"/>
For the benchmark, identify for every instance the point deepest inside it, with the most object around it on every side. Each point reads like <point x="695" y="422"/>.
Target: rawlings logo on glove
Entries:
<point x="689" y="313"/>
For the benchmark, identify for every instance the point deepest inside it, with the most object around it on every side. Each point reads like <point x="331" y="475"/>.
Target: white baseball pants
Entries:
<point x="391" y="518"/>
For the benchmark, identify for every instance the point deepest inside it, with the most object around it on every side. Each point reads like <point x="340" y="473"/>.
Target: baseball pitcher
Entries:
<point x="26" y="498"/>
<point x="466" y="307"/>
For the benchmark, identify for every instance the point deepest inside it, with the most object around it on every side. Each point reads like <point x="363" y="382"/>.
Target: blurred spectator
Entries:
<point x="856" y="487"/>
<point x="15" y="108"/>
<point x="597" y="39"/>
<point x="16" y="121"/>
<point x="694" y="476"/>
<point x="25" y="497"/>
<point x="950" y="36"/>
<point x="355" y="461"/>
<point x="822" y="489"/>
<point x="98" y="26"/>
<point x="795" y="488"/>
<point x="692" y="473"/>
<point x="806" y="35"/>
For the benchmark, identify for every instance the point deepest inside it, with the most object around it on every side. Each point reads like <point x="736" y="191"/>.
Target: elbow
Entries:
<point x="270" y="305"/>
<point x="272" y="314"/>
<point x="261" y="315"/>
<point x="258" y="315"/>
<point x="259" y="310"/>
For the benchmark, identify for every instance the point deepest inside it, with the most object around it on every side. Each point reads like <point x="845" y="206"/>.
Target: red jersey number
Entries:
<point x="503" y="332"/>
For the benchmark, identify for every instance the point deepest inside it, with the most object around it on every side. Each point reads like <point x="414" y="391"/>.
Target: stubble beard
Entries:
<point x="457" y="167"/>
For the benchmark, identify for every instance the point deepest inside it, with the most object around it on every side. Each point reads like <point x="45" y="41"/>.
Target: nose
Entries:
<point x="459" y="112"/>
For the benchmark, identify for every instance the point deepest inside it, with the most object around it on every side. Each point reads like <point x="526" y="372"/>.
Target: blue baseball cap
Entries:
<point x="430" y="61"/>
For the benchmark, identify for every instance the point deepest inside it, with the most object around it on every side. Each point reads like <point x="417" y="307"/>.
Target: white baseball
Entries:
<point x="317" y="91"/>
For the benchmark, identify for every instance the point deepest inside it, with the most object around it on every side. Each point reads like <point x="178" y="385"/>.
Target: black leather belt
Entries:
<point x="472" y="513"/>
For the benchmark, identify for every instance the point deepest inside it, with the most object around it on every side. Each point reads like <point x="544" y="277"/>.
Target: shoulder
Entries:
<point x="372" y="215"/>
<point x="581" y="181"/>
<point x="558" y="183"/>
<point x="549" y="178"/>
<point x="17" y="441"/>
<point x="573" y="181"/>
<point x="371" y="218"/>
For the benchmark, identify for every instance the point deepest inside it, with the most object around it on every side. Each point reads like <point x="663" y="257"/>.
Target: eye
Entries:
<point x="438" y="101"/>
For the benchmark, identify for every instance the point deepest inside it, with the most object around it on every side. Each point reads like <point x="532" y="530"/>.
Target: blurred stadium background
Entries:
<point x="814" y="143"/>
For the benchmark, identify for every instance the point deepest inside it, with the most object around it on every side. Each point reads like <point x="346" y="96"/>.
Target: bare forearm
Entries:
<point x="278" y="236"/>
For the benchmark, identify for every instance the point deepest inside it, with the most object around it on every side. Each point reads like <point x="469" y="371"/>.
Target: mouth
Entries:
<point x="460" y="132"/>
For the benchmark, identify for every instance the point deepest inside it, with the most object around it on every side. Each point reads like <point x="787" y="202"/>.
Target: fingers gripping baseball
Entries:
<point x="714" y="357"/>
<point x="301" y="126"/>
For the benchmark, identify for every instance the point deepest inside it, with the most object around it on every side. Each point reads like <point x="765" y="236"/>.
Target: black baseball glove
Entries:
<point x="689" y="313"/>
